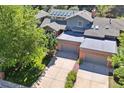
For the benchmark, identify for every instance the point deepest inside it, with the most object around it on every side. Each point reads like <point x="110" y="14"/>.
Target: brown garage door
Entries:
<point x="95" y="59"/>
<point x="69" y="48"/>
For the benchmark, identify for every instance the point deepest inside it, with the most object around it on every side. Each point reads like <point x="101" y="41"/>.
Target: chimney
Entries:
<point x="110" y="21"/>
<point x="93" y="13"/>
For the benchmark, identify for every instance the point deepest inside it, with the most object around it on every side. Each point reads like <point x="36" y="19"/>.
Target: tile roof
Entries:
<point x="99" y="45"/>
<point x="84" y="14"/>
<point x="42" y="14"/>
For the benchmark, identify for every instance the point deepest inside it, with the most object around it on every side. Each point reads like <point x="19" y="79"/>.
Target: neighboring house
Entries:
<point x="55" y="21"/>
<point x="41" y="16"/>
<point x="53" y="27"/>
<point x="93" y="39"/>
<point x="7" y="84"/>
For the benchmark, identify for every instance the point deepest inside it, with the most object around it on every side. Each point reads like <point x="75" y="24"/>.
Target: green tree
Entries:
<point x="103" y="9"/>
<point x="52" y="41"/>
<point x="21" y="42"/>
<point x="118" y="59"/>
<point x="118" y="63"/>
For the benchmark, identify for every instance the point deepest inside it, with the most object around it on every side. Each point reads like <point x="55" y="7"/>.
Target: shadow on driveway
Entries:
<point x="94" y="68"/>
<point x="67" y="54"/>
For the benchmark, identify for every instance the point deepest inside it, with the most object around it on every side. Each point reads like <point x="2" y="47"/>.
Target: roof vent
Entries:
<point x="92" y="27"/>
<point x="110" y="21"/>
<point x="107" y="27"/>
<point x="96" y="27"/>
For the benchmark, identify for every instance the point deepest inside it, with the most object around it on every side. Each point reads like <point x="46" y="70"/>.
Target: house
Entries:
<point x="55" y="21"/>
<point x="93" y="39"/>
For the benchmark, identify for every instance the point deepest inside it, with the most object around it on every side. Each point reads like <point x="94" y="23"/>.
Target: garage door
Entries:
<point x="69" y="48"/>
<point x="95" y="59"/>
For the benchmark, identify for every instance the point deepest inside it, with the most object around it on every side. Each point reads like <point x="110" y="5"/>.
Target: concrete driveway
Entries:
<point x="92" y="76"/>
<point x="56" y="74"/>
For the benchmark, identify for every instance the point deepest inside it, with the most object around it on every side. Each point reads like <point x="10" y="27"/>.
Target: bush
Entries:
<point x="25" y="76"/>
<point x="69" y="84"/>
<point x="119" y="75"/>
<point x="71" y="78"/>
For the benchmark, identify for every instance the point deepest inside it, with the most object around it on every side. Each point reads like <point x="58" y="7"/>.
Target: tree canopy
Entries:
<point x="118" y="59"/>
<point x="21" y="42"/>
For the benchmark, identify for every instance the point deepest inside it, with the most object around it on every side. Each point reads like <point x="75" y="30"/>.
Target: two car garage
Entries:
<point x="74" y="48"/>
<point x="90" y="50"/>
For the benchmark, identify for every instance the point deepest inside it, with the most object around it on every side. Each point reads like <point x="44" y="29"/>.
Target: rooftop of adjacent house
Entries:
<point x="45" y="21"/>
<point x="105" y="27"/>
<point x="42" y="14"/>
<point x="84" y="14"/>
<point x="99" y="45"/>
<point x="55" y="26"/>
<point x="7" y="84"/>
<point x="71" y="36"/>
<point x="61" y="12"/>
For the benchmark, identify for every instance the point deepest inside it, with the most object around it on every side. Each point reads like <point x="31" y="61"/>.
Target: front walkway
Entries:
<point x="92" y="76"/>
<point x="55" y="76"/>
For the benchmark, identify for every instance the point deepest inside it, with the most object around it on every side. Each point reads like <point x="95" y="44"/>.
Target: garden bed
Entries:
<point x="70" y="79"/>
<point x="72" y="75"/>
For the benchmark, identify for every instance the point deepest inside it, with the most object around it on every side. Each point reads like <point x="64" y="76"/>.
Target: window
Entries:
<point x="79" y="23"/>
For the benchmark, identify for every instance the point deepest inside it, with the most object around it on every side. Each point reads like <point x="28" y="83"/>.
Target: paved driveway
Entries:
<point x="92" y="76"/>
<point x="56" y="75"/>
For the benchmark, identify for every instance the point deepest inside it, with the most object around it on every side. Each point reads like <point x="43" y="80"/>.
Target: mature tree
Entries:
<point x="118" y="63"/>
<point x="21" y="42"/>
<point x="61" y="7"/>
<point x="103" y="9"/>
<point x="74" y="8"/>
<point x="87" y="7"/>
<point x="118" y="59"/>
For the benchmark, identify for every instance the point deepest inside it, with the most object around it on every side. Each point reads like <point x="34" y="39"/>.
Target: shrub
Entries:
<point x="71" y="76"/>
<point x="69" y="84"/>
<point x="25" y="76"/>
<point x="119" y="75"/>
<point x="70" y="79"/>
